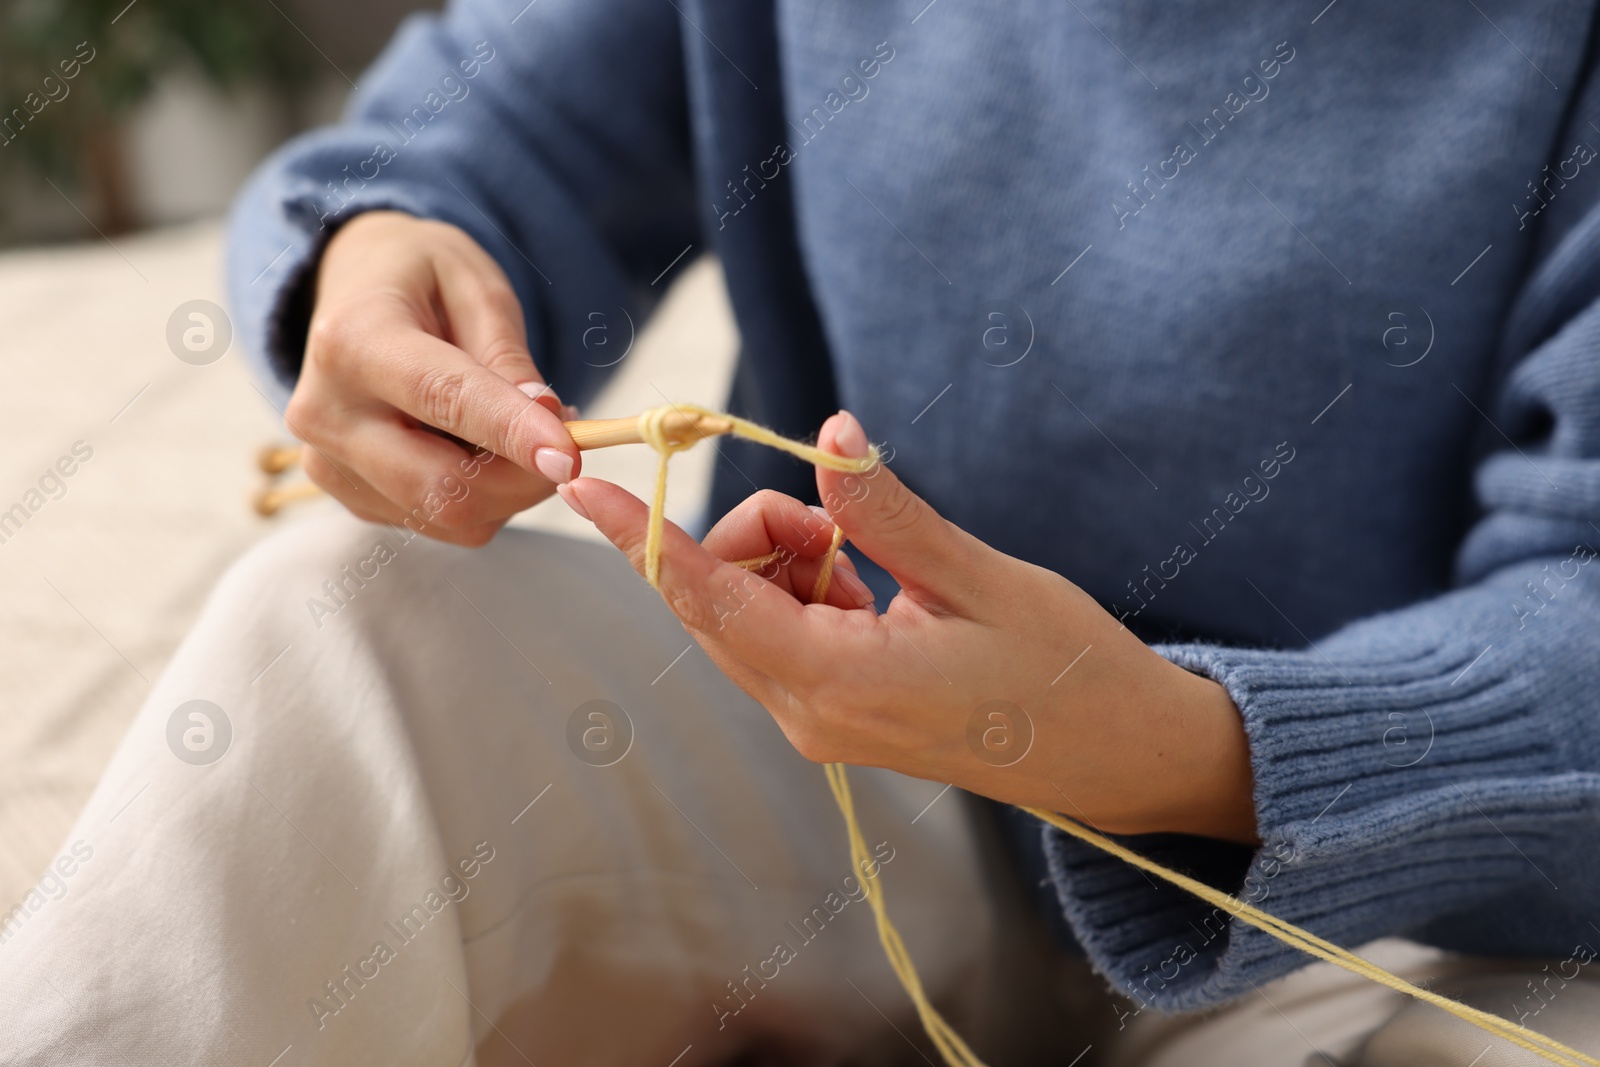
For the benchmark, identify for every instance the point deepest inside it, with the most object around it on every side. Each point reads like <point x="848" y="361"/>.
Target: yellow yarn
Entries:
<point x="819" y="591"/>
<point x="955" y="1051"/>
<point x="1535" y="1042"/>
<point x="653" y="428"/>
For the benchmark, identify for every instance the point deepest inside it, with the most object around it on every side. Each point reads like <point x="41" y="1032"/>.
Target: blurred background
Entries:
<point x="125" y="129"/>
<point x="168" y="107"/>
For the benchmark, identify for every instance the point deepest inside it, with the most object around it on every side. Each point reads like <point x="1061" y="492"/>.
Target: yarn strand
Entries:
<point x="654" y="430"/>
<point x="1531" y="1040"/>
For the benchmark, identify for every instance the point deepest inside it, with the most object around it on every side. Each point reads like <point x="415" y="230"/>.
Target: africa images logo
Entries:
<point x="199" y="732"/>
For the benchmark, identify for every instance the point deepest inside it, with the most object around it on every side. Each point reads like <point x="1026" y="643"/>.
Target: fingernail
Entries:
<point x="554" y="465"/>
<point x="851" y="439"/>
<point x="571" y="497"/>
<point x="542" y="394"/>
<point x="853" y="587"/>
<point x="569" y="413"/>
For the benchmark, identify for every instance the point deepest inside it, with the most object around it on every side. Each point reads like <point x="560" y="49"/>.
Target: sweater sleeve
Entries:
<point x="1432" y="772"/>
<point x="554" y="133"/>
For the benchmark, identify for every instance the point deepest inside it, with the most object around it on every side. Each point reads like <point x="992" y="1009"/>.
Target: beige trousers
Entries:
<point x="399" y="803"/>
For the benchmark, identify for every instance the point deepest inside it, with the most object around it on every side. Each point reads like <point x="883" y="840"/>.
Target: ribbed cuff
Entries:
<point x="1389" y="788"/>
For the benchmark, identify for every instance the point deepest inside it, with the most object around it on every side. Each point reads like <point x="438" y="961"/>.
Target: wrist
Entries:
<point x="1162" y="751"/>
<point x="1208" y="783"/>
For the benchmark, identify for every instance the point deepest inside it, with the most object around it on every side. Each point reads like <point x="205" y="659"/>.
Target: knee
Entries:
<point x="331" y="565"/>
<point x="316" y="567"/>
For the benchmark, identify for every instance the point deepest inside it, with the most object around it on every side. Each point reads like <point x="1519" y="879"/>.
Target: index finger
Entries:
<point x="441" y="386"/>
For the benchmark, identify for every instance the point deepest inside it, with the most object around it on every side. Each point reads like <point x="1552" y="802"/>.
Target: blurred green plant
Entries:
<point x="72" y="70"/>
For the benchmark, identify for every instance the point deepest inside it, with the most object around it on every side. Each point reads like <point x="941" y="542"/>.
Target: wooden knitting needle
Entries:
<point x="586" y="434"/>
<point x="275" y="459"/>
<point x="270" y="501"/>
<point x="603" y="433"/>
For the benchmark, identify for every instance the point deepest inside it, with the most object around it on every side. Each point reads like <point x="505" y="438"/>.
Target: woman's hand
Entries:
<point x="985" y="671"/>
<point x="417" y="344"/>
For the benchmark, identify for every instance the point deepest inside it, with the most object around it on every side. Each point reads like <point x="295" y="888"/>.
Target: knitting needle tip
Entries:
<point x="603" y="433"/>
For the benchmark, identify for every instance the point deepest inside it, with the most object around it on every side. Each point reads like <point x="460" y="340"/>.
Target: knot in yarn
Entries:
<point x="674" y="428"/>
<point x="657" y="427"/>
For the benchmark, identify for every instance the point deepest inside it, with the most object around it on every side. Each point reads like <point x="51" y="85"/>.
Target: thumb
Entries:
<point x="889" y="523"/>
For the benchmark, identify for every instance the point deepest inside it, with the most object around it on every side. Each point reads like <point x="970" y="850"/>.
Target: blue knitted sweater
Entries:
<point x="1273" y="328"/>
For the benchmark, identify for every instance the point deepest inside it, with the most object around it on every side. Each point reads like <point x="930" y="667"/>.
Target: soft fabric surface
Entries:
<point x="150" y="521"/>
<point x="460" y="767"/>
<point x="456" y="815"/>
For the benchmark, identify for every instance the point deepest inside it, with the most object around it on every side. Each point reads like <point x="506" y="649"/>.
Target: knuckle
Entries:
<point x="331" y="336"/>
<point x="632" y="547"/>
<point x="900" y="512"/>
<point x="439" y="397"/>
<point x="311" y="415"/>
<point x="769" y="499"/>
<point x="445" y="232"/>
<point x="303" y="415"/>
<point x="688" y="606"/>
<point x="506" y="354"/>
<point x="519" y="433"/>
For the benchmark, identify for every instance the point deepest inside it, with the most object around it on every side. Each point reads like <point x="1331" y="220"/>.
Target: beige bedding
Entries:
<point x="110" y="568"/>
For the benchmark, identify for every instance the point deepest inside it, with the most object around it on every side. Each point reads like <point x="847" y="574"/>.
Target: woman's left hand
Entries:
<point x="985" y="671"/>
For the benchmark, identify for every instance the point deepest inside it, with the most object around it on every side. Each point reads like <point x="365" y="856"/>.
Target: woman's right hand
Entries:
<point x="417" y="344"/>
